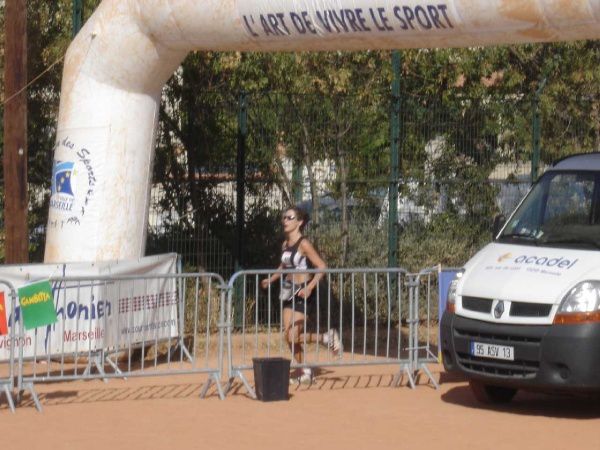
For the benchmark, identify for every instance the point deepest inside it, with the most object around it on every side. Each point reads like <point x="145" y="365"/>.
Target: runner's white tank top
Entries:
<point x="291" y="258"/>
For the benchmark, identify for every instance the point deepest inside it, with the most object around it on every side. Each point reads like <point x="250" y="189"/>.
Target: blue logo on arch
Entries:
<point x="61" y="178"/>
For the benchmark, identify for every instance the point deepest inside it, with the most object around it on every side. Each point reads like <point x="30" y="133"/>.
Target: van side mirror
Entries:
<point x="499" y="221"/>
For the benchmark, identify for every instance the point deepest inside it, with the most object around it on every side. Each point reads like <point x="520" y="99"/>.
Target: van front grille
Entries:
<point x="483" y="305"/>
<point x="517" y="309"/>
<point x="523" y="309"/>
<point x="513" y="369"/>
<point x="500" y="338"/>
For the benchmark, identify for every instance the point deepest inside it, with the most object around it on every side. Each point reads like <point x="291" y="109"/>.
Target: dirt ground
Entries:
<point x="346" y="408"/>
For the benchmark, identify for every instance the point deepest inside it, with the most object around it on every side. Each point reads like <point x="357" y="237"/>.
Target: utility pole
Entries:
<point x="15" y="132"/>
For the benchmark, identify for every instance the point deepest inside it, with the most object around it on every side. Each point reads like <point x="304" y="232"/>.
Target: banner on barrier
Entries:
<point x="95" y="314"/>
<point x="36" y="302"/>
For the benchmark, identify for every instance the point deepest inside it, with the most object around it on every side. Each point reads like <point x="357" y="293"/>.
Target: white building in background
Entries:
<point x="226" y="187"/>
<point x="514" y="180"/>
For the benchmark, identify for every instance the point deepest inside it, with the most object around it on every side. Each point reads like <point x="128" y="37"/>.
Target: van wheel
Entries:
<point x="486" y="393"/>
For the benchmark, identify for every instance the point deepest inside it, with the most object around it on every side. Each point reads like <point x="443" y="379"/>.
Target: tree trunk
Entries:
<point x="15" y="133"/>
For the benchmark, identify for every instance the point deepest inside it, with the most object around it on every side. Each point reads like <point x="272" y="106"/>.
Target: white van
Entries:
<point x="525" y="312"/>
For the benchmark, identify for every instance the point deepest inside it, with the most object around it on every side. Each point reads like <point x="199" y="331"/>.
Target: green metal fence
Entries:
<point x="458" y="161"/>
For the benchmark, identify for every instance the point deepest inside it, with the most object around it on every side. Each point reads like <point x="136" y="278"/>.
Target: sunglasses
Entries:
<point x="288" y="217"/>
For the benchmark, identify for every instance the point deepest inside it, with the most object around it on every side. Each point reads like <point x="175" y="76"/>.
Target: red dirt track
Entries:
<point x="347" y="408"/>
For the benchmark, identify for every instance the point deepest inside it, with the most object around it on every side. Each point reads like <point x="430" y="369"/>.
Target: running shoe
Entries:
<point x="305" y="377"/>
<point x="334" y="342"/>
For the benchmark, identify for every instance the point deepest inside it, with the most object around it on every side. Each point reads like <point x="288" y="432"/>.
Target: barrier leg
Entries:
<point x="242" y="377"/>
<point x="228" y="386"/>
<point x="424" y="368"/>
<point x="213" y="378"/>
<point x="96" y="360"/>
<point x="28" y="386"/>
<point x="113" y="365"/>
<point x="404" y="370"/>
<point x="185" y="353"/>
<point x="9" y="398"/>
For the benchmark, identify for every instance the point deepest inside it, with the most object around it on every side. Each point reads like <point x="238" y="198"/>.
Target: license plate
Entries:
<point x="492" y="351"/>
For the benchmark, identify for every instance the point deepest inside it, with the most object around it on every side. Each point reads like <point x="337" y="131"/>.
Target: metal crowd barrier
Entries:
<point x="162" y="325"/>
<point x="371" y="309"/>
<point x="8" y="343"/>
<point x="425" y="326"/>
<point x="128" y="326"/>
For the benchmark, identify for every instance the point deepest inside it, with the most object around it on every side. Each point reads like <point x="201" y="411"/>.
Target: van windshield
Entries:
<point x="562" y="210"/>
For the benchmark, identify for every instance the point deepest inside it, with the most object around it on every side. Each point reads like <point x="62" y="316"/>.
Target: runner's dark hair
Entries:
<point x="300" y="215"/>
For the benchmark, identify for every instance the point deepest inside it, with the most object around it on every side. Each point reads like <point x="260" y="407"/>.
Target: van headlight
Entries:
<point x="452" y="295"/>
<point x="581" y="304"/>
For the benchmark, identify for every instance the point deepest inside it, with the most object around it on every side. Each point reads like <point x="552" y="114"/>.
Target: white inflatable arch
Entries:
<point x="116" y="67"/>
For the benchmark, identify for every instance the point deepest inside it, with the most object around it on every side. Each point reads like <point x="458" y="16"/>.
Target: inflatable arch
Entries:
<point x="117" y="65"/>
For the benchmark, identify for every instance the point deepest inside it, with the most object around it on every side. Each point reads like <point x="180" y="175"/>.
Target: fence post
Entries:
<point x="395" y="163"/>
<point x="77" y="16"/>
<point x="417" y="363"/>
<point x="536" y="130"/>
<point x="242" y="136"/>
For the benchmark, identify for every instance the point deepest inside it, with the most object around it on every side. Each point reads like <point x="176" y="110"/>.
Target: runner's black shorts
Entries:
<point x="300" y="304"/>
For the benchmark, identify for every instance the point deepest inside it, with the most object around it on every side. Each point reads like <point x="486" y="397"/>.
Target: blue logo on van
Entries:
<point x="560" y="262"/>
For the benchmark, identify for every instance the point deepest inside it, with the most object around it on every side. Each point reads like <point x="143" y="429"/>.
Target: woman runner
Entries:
<point x="298" y="290"/>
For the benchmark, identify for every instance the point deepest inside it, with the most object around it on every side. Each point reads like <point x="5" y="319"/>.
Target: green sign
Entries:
<point x="37" y="305"/>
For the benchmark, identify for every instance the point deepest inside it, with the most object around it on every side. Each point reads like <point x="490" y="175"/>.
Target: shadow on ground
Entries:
<point x="531" y="404"/>
<point x="329" y="380"/>
<point x="108" y="394"/>
<point x="325" y="380"/>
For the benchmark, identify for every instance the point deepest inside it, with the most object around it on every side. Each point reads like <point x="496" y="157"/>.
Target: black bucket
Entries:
<point x="271" y="378"/>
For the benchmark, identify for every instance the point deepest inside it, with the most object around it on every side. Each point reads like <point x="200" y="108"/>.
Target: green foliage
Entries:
<point x="367" y="243"/>
<point x="447" y="239"/>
